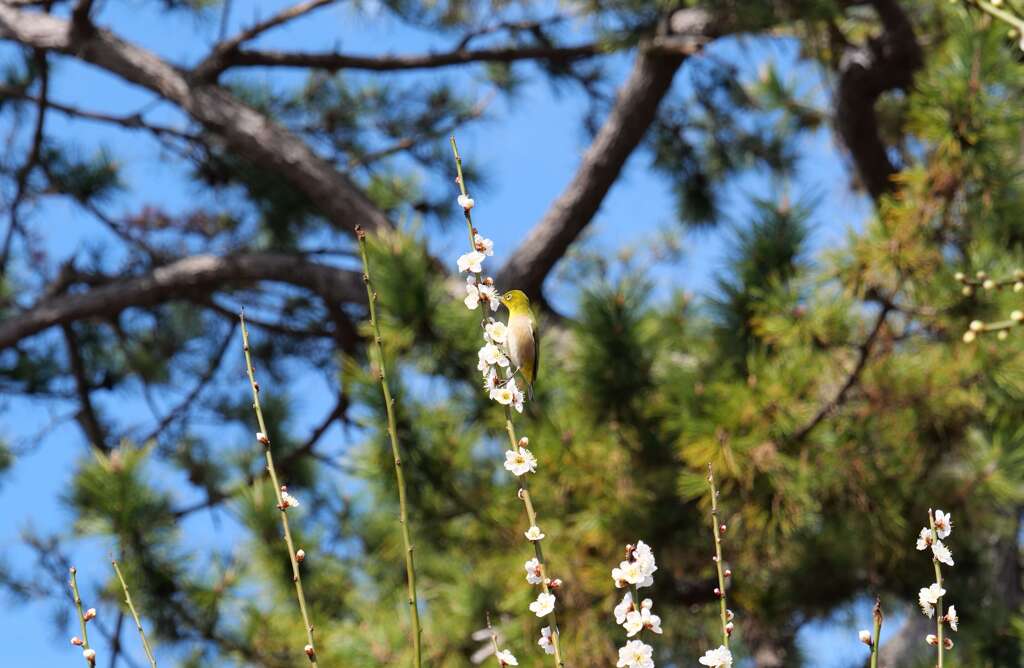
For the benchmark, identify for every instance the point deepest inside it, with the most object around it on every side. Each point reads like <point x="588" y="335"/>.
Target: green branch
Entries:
<point x="389" y="406"/>
<point x="263" y="438"/>
<point x="135" y="614"/>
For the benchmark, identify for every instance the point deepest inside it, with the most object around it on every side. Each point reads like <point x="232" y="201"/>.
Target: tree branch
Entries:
<point x="220" y="57"/>
<point x="185" y="278"/>
<point x="332" y="61"/>
<point x="632" y="114"/>
<point x="885" y="63"/>
<point x="245" y="131"/>
<point x="87" y="417"/>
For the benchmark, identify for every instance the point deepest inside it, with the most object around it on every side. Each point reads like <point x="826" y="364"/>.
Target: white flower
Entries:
<point x="89" y="654"/>
<point x="534" y="572"/>
<point x="636" y="654"/>
<point x="534" y="533"/>
<point x="488" y="293"/>
<point x="634" y="623"/>
<point x="931" y="639"/>
<point x="485" y="246"/>
<point x="924" y="539"/>
<point x="544" y="604"/>
<point x="471" y="261"/>
<point x="520" y="461"/>
<point x="496" y="332"/>
<point x="288" y="501"/>
<point x="546" y="642"/>
<point x="517" y="397"/>
<point x="717" y="658"/>
<point x="952" y="618"/>
<point x="623" y="608"/>
<point x="490" y="355"/>
<point x="506" y="658"/>
<point x="929" y="597"/>
<point x="943" y="524"/>
<point x="942" y="553"/>
<point x="491" y="380"/>
<point x="503" y="395"/>
<point x="865" y="637"/>
<point x="472" y="299"/>
<point x="466" y="203"/>
<point x="651" y="621"/>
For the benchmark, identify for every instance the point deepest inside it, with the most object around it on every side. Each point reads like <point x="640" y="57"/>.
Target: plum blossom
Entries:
<point x="943" y="524"/>
<point x="720" y="657"/>
<point x="534" y="533"/>
<point x="636" y="654"/>
<point x="520" y="461"/>
<point x="506" y="658"/>
<point x="546" y="643"/>
<point x="534" y="572"/>
<point x="942" y="553"/>
<point x="929" y="597"/>
<point x="483" y="245"/>
<point x="544" y="605"/>
<point x="472" y="262"/>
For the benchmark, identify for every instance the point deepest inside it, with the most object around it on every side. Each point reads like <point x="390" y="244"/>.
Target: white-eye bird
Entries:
<point x="522" y="344"/>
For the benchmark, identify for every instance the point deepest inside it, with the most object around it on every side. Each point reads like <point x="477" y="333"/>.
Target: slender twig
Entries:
<point x="264" y="438"/>
<point x="524" y="491"/>
<point x="389" y="406"/>
<point x="939" y="626"/>
<point x="494" y="634"/>
<point x="876" y="632"/>
<point x="89" y="659"/>
<point x="135" y="614"/>
<point x="1014" y="21"/>
<point x="717" y="528"/>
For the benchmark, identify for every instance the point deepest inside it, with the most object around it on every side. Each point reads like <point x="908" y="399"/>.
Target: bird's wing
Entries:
<point x="536" y="348"/>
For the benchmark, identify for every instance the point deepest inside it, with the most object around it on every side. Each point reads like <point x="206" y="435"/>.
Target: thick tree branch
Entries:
<point x="186" y="278"/>
<point x="245" y="131"/>
<point x="885" y="63"/>
<point x="87" y="417"/>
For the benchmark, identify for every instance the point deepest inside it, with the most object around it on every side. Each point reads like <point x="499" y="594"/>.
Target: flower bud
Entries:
<point x="1002" y="335"/>
<point x="947" y="643"/>
<point x="967" y="291"/>
<point x="524" y="442"/>
<point x="728" y="573"/>
<point x="728" y="628"/>
<point x="959" y="276"/>
<point x="1018" y="286"/>
<point x="90" y="655"/>
<point x="931" y="639"/>
<point x="75" y="640"/>
<point x="1017" y="316"/>
<point x="865" y="637"/>
<point x="262" y="438"/>
<point x="718" y="592"/>
<point x="977" y="326"/>
<point x="981" y="276"/>
<point x="310" y="652"/>
<point x="969" y="336"/>
<point x="721" y="528"/>
<point x="729" y="615"/>
<point x="988" y="284"/>
<point x="300" y="555"/>
<point x="89" y="614"/>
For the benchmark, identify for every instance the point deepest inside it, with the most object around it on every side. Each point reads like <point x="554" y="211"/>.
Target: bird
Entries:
<point x="521" y="337"/>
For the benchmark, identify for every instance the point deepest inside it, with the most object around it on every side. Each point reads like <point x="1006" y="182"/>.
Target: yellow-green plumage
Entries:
<point x="522" y="342"/>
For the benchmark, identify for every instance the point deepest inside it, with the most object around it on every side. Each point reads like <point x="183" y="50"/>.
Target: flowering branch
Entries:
<point x="940" y="525"/>
<point x="722" y="656"/>
<point x="1016" y="23"/>
<point x="88" y="653"/>
<point x="135" y="614"/>
<point x="389" y="405"/>
<point x="518" y="459"/>
<point x="504" y="657"/>
<point x="631" y="613"/>
<point x="284" y="499"/>
<point x="870" y="638"/>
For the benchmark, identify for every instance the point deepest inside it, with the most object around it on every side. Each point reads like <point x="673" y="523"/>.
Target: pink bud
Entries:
<point x="728" y="628"/>
<point x="300" y="555"/>
<point x="718" y="592"/>
<point x="89" y="614"/>
<point x="721" y="528"/>
<point x="727" y="573"/>
<point x="75" y="640"/>
<point x="310" y="652"/>
<point x="948" y="643"/>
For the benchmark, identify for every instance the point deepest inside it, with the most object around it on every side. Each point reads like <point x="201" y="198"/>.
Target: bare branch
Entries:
<point x="189" y="277"/>
<point x="87" y="417"/>
<point x="219" y="58"/>
<point x="245" y="130"/>
<point x="333" y="62"/>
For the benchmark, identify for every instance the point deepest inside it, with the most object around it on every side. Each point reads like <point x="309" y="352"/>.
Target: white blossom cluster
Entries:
<point x="930" y="597"/>
<point x="635" y="572"/>
<point x="495" y="367"/>
<point x="492" y="358"/>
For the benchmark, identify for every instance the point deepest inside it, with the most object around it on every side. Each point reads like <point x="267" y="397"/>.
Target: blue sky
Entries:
<point x="530" y="148"/>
